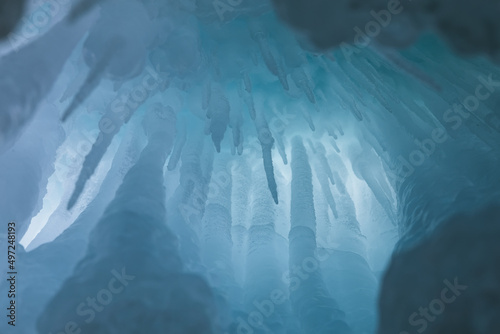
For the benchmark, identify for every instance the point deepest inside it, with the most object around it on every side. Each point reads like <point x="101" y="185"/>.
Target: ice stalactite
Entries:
<point x="46" y="261"/>
<point x="280" y="144"/>
<point x="242" y="181"/>
<point x="180" y="141"/>
<point x="249" y="102"/>
<point x="303" y="82"/>
<point x="440" y="162"/>
<point x="218" y="116"/>
<point x="403" y="64"/>
<point x="145" y="281"/>
<point x="126" y="155"/>
<point x="217" y="243"/>
<point x="23" y="73"/>
<point x="346" y="269"/>
<point x="93" y="158"/>
<point x="364" y="165"/>
<point x="321" y="154"/>
<point x="119" y="112"/>
<point x="236" y="124"/>
<point x="206" y="94"/>
<point x="266" y="140"/>
<point x="187" y="205"/>
<point x="413" y="159"/>
<point x="93" y="77"/>
<point x="325" y="177"/>
<point x="381" y="233"/>
<point x="26" y="168"/>
<point x="264" y="268"/>
<point x="313" y="305"/>
<point x="116" y="47"/>
<point x="273" y="64"/>
<point x="346" y="92"/>
<point x="307" y="116"/>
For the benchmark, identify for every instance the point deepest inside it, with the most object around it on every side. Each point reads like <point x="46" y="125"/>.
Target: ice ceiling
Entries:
<point x="252" y="166"/>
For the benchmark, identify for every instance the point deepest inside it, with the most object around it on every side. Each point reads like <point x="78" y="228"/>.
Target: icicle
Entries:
<point x="316" y="310"/>
<point x="267" y="142"/>
<point x="406" y="66"/>
<point x="137" y="215"/>
<point x="334" y="145"/>
<point x="311" y="146"/>
<point x="259" y="36"/>
<point x="91" y="162"/>
<point x="180" y="140"/>
<point x="324" y="162"/>
<point x="236" y="122"/>
<point x="302" y="207"/>
<point x="264" y="266"/>
<point x="331" y="132"/>
<point x="136" y="35"/>
<point x="248" y="99"/>
<point x="218" y="113"/>
<point x="242" y="183"/>
<point x="237" y="136"/>
<point x="93" y="78"/>
<point x="304" y="83"/>
<point x="124" y="158"/>
<point x="347" y="273"/>
<point x="21" y="73"/>
<point x="206" y="128"/>
<point x="274" y="66"/>
<point x="281" y="148"/>
<point x="308" y="118"/>
<point x="187" y="205"/>
<point x="110" y="124"/>
<point x="217" y="222"/>
<point x="345" y="205"/>
<point x="339" y="127"/>
<point x="327" y="193"/>
<point x="207" y="93"/>
<point x="282" y="76"/>
<point x="355" y="110"/>
<point x="48" y="276"/>
<point x="27" y="167"/>
<point x="116" y="46"/>
<point x="368" y="169"/>
<point x="247" y="81"/>
<point x="74" y="84"/>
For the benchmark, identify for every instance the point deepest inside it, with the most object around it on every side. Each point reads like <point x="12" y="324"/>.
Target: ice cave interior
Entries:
<point x="241" y="167"/>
